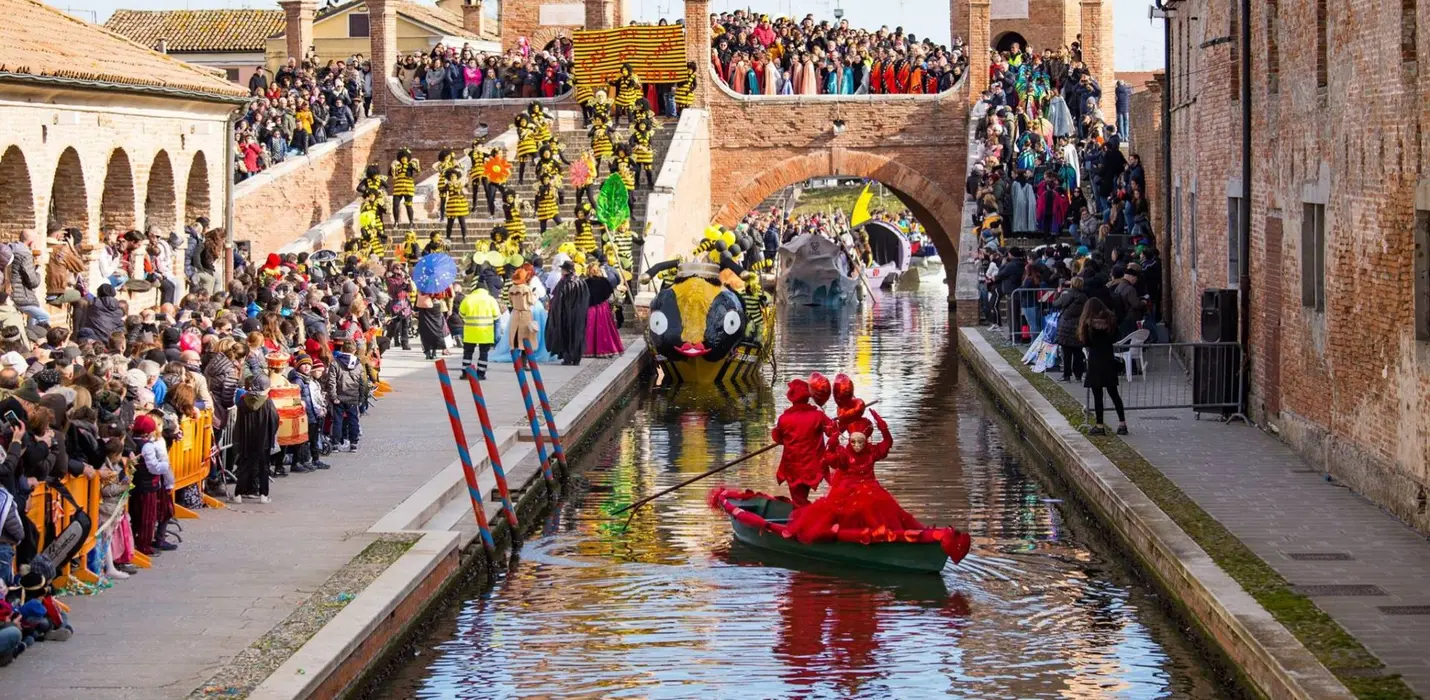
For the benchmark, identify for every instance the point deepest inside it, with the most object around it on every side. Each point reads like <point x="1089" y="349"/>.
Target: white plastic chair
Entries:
<point x="1133" y="353"/>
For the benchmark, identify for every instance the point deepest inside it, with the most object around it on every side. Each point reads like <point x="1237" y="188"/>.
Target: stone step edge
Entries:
<point x="1266" y="652"/>
<point x="360" y="635"/>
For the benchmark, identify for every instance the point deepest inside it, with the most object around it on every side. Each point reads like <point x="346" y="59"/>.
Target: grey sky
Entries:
<point x="1138" y="41"/>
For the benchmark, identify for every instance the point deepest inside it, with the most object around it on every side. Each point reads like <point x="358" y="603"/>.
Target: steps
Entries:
<point x="575" y="142"/>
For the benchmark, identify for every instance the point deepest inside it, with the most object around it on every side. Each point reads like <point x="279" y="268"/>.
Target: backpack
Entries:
<point x="67" y="543"/>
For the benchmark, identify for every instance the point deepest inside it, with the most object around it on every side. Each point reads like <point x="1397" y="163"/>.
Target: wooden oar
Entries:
<point x="696" y="478"/>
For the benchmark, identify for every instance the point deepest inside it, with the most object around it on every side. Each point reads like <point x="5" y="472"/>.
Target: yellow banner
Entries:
<point x="656" y="54"/>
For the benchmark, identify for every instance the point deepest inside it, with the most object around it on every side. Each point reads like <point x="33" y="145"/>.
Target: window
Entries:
<point x="1313" y="256"/>
<point x="1273" y="46"/>
<point x="1422" y="275"/>
<point x="1323" y="39"/>
<point x="358" y="25"/>
<point x="1235" y="35"/>
<point x="1192" y="212"/>
<point x="1234" y="212"/>
<point x="492" y="9"/>
<point x="1177" y="224"/>
<point x="1407" y="31"/>
<point x="231" y="74"/>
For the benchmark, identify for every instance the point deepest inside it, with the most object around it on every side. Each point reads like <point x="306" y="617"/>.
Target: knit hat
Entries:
<point x="302" y="359"/>
<point x="143" y="425"/>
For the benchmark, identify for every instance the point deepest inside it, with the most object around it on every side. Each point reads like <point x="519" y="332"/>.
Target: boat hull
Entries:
<point x="758" y="521"/>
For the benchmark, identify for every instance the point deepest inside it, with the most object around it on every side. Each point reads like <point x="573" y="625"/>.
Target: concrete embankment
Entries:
<point x="338" y="658"/>
<point x="1268" y="656"/>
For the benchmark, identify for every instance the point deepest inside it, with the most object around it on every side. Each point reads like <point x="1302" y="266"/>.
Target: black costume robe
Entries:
<point x="566" y="321"/>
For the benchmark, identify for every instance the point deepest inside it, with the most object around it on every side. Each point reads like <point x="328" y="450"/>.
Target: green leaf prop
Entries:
<point x="613" y="206"/>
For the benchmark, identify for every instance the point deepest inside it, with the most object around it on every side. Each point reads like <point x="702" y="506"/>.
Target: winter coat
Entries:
<point x="222" y="377"/>
<point x="1025" y="207"/>
<point x="1010" y="275"/>
<point x="801" y="429"/>
<point x="1102" y="366"/>
<point x="1070" y="305"/>
<point x="344" y="381"/>
<point x="255" y="431"/>
<point x="1126" y="302"/>
<point x="24" y="280"/>
<point x="105" y="317"/>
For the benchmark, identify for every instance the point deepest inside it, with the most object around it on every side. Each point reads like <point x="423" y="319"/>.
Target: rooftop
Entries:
<point x="198" y="30"/>
<point x="40" y="41"/>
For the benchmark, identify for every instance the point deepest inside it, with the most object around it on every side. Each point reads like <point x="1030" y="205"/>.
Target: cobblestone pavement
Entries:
<point x="1280" y="506"/>
<point x="243" y="569"/>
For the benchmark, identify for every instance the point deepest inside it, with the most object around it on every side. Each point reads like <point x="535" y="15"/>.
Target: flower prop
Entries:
<point x="497" y="169"/>
<point x="580" y="173"/>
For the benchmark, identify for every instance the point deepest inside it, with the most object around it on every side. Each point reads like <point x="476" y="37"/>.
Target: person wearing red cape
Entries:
<point x="856" y="501"/>
<point x="801" y="430"/>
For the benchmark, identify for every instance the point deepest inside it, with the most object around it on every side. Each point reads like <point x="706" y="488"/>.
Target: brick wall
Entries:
<point x="523" y="18"/>
<point x="276" y="207"/>
<point x="1050" y="24"/>
<point x="1347" y="386"/>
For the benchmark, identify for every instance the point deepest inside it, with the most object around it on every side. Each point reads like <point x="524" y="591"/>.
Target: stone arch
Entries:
<point x="116" y="201"/>
<point x="196" y="192"/>
<point x="69" y="196"/>
<point x="940" y="213"/>
<point x="1005" y="41"/>
<point x="541" y="38"/>
<point x="17" y="198"/>
<point x="160" y="204"/>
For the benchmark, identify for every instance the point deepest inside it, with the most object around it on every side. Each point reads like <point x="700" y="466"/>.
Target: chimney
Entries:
<point x="298" y="29"/>
<point x="162" y="46"/>
<point x="473" y="19"/>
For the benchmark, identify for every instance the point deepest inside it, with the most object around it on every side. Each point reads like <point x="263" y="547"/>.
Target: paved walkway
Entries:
<point x="1281" y="507"/>
<point x="244" y="569"/>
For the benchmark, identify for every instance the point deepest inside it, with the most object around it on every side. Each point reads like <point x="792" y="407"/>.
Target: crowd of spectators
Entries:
<point x="450" y="73"/>
<point x="284" y="360"/>
<point x="303" y="104"/>
<point x="754" y="54"/>
<point x="1054" y="169"/>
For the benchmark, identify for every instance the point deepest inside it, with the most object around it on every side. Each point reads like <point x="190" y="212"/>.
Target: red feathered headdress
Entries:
<point x="819" y="387"/>
<point x="798" y="391"/>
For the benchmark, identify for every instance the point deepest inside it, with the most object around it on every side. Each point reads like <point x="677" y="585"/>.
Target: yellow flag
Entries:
<point x="861" y="208"/>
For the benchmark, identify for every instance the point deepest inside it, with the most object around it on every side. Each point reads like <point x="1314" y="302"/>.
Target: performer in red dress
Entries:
<point x="801" y="429"/>
<point x="856" y="501"/>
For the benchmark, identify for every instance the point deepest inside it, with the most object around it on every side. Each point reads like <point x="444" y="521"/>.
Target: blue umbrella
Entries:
<point x="434" y="273"/>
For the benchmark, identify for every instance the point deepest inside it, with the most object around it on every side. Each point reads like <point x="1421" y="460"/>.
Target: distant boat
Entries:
<point x="892" y="255"/>
<point x="814" y="271"/>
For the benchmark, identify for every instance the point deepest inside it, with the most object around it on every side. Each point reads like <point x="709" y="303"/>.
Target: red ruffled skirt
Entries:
<point x="861" y="505"/>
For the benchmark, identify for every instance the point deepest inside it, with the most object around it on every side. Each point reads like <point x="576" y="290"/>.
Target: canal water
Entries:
<point x="669" y="607"/>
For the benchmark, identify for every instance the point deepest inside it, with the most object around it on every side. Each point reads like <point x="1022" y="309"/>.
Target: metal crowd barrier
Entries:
<point x="1026" y="311"/>
<point x="1205" y="377"/>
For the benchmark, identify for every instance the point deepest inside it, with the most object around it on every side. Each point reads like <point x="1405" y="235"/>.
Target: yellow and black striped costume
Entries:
<point x="372" y="183"/>
<point x="372" y="202"/>
<point x="455" y="203"/>
<point x="600" y="140"/>
<point x="584" y="93"/>
<point x="548" y="167"/>
<point x="479" y="155"/>
<point x="526" y="143"/>
<point x="511" y="214"/>
<point x="621" y="165"/>
<point x="370" y="244"/>
<point x="585" y="235"/>
<point x="640" y="146"/>
<point x="754" y="299"/>
<point x="685" y="92"/>
<point x="546" y="206"/>
<point x="624" y="242"/>
<point x="601" y="111"/>
<point x="541" y="129"/>
<point x="404" y="177"/>
<point x="628" y="89"/>
<point x="447" y="162"/>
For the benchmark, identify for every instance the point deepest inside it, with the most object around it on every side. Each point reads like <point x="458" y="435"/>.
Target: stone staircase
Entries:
<point x="575" y="142"/>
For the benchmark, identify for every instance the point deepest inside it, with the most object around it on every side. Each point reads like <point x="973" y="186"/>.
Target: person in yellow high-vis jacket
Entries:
<point x="479" y="322"/>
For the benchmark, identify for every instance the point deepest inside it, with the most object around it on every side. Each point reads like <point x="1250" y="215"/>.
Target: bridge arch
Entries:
<point x="940" y="214"/>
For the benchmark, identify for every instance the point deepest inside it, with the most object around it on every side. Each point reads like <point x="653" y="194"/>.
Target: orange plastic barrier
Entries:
<point x="191" y="457"/>
<point x="47" y="501"/>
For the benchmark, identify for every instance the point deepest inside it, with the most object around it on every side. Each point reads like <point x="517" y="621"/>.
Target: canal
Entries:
<point x="669" y="607"/>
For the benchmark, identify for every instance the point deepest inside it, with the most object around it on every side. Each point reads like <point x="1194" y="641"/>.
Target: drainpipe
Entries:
<point x="1244" y="283"/>
<point x="1168" y="295"/>
<point x="228" y="154"/>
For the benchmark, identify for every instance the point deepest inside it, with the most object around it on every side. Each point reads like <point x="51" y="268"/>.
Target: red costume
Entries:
<point x="801" y="429"/>
<point x="856" y="501"/>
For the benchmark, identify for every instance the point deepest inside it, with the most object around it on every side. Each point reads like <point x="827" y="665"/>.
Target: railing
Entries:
<point x="1027" y="312"/>
<point x="1205" y="377"/>
<point x="190" y="458"/>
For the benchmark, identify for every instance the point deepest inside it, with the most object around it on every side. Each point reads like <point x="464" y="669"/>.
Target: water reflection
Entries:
<point x="668" y="606"/>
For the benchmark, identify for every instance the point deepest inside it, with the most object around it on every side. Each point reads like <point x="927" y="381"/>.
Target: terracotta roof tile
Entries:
<point x="435" y="17"/>
<point x="198" y="30"/>
<point x="39" y="40"/>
